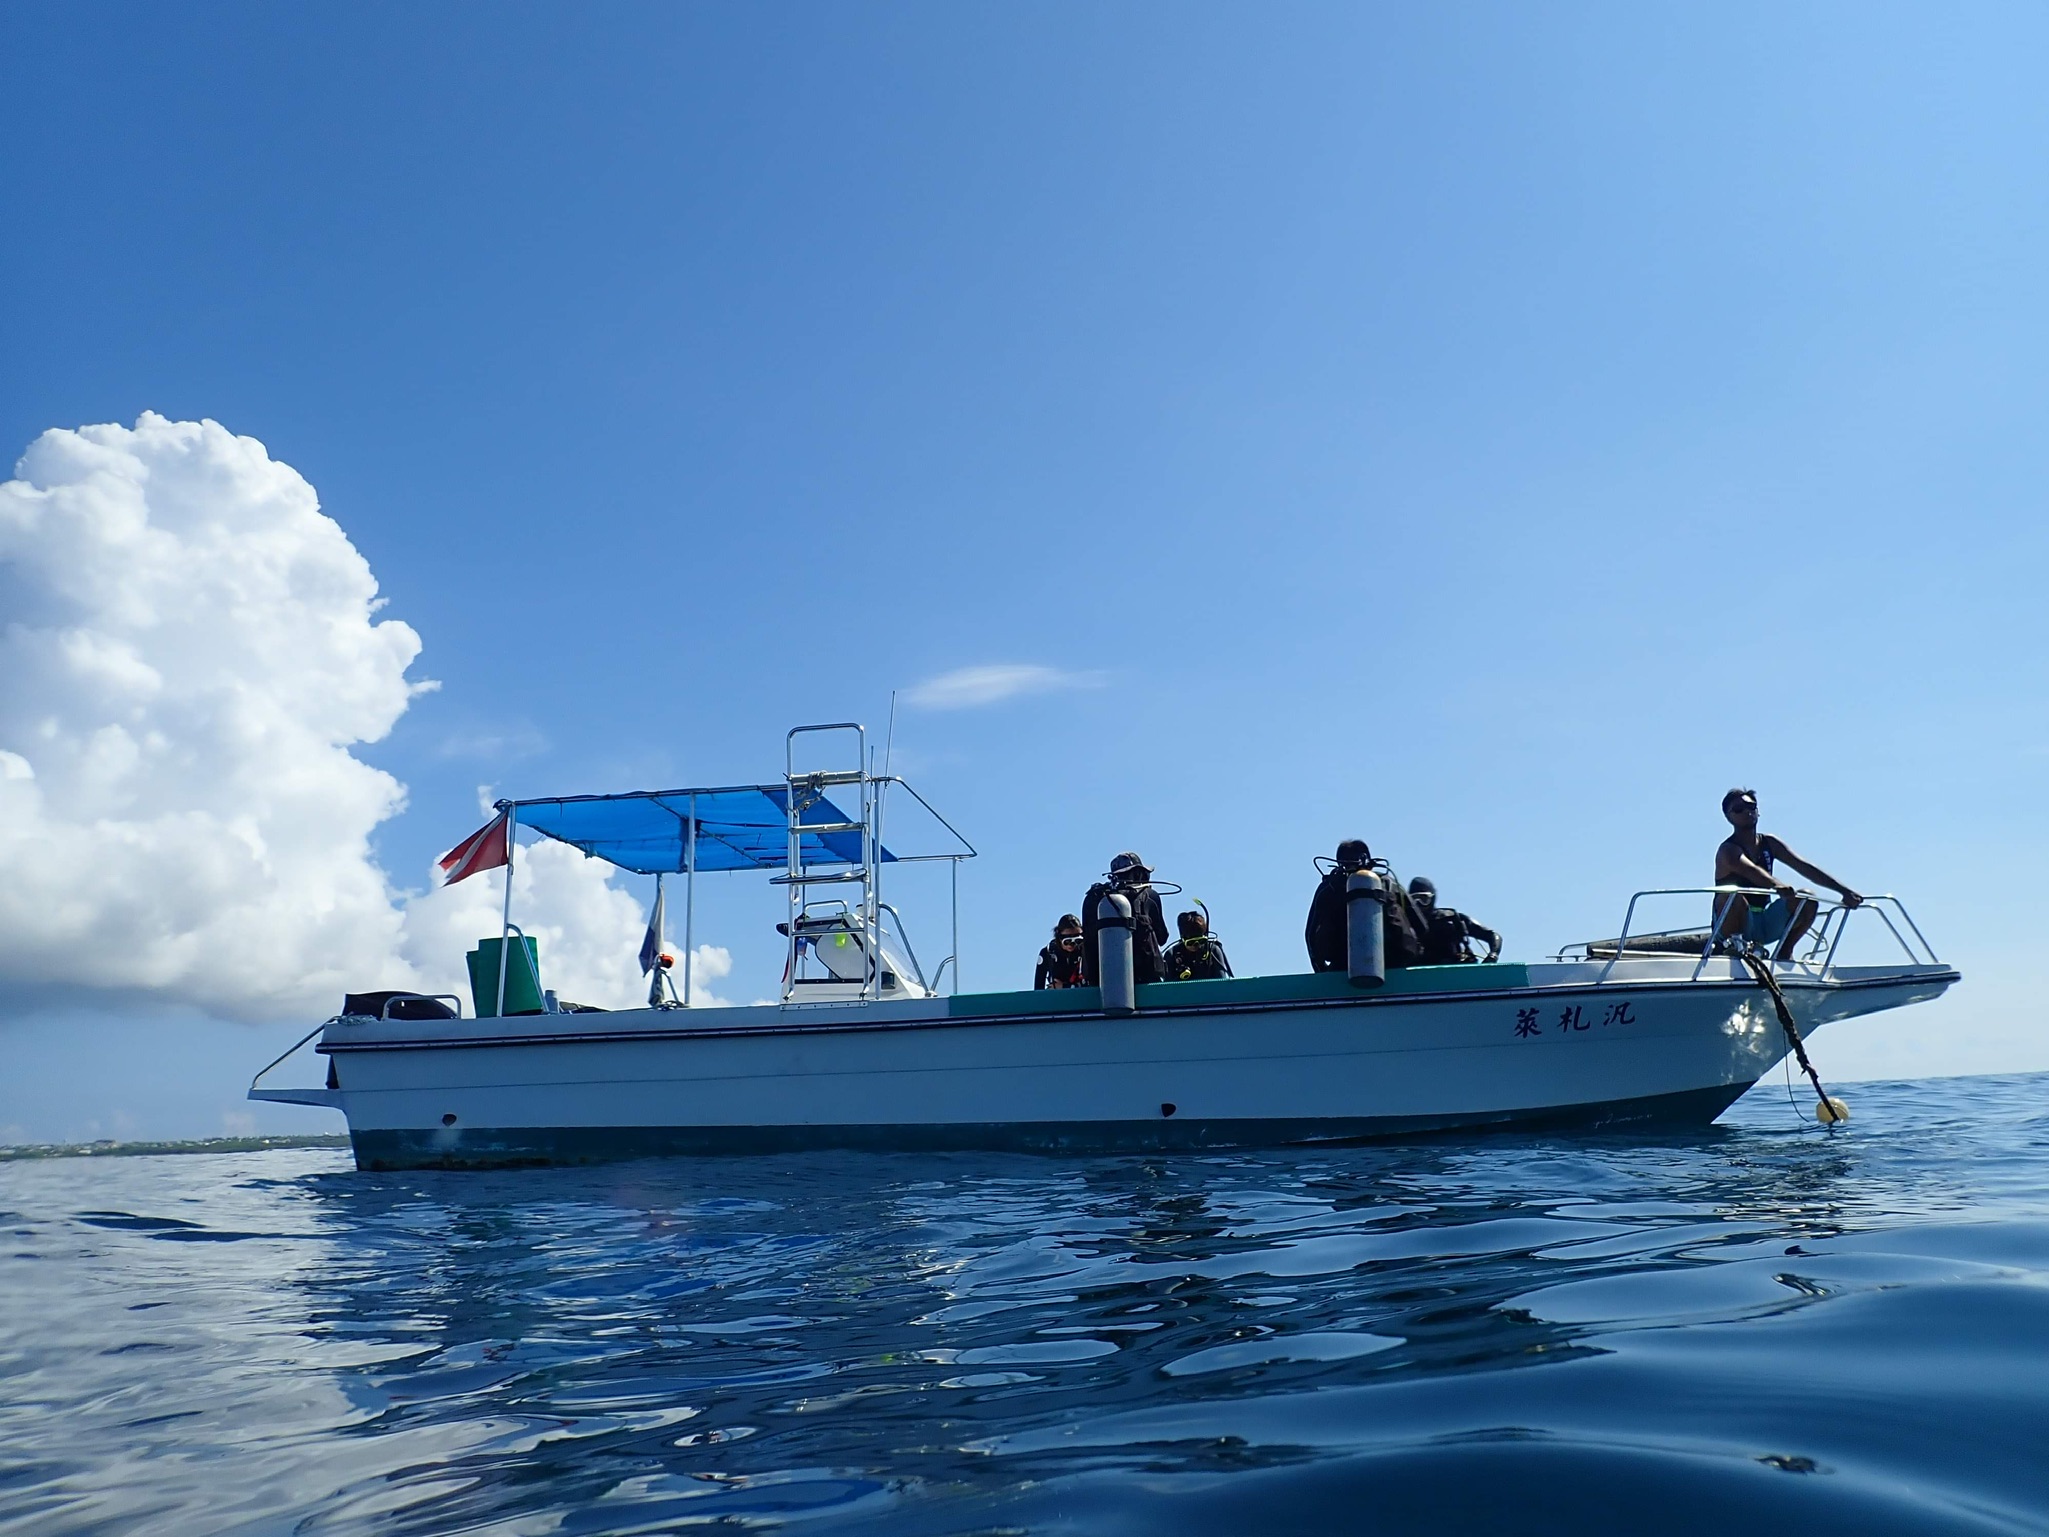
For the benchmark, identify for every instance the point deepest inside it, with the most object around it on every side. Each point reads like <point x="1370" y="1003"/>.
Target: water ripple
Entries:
<point x="1764" y="1323"/>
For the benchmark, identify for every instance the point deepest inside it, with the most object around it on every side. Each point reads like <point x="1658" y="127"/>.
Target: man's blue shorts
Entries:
<point x="1768" y="925"/>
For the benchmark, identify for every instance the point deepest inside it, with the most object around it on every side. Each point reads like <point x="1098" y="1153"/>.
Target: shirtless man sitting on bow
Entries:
<point x="1746" y="858"/>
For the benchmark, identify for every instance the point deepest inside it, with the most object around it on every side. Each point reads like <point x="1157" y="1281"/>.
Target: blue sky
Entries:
<point x="1491" y="431"/>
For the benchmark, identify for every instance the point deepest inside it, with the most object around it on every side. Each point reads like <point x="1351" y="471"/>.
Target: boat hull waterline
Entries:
<point x="1258" y="1062"/>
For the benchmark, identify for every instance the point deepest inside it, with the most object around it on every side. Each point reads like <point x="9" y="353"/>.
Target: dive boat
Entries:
<point x="865" y="1050"/>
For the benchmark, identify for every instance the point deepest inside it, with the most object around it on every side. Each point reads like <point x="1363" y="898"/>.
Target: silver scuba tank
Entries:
<point x="1113" y="954"/>
<point x="1365" y="929"/>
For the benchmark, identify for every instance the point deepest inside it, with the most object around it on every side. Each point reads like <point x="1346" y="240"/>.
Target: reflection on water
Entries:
<point x="1765" y="1322"/>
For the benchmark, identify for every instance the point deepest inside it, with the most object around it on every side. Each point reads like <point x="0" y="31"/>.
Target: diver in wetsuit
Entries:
<point x="1060" y="962"/>
<point x="1448" y="941"/>
<point x="1325" y="933"/>
<point x="1131" y="878"/>
<point x="1746" y="858"/>
<point x="1198" y="955"/>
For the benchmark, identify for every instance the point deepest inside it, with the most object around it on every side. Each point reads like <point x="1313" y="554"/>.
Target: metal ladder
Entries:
<point x="805" y="791"/>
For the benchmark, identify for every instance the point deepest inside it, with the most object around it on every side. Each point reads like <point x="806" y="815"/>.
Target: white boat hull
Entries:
<point x="1261" y="1062"/>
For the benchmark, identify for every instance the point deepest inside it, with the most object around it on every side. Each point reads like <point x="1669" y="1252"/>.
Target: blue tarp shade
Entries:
<point x="648" y="832"/>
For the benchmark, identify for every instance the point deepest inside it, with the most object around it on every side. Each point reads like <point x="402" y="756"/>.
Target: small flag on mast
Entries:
<point x="485" y="849"/>
<point x="651" y="947"/>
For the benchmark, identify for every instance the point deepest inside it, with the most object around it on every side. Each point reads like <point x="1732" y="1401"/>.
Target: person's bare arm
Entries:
<point x="1812" y="872"/>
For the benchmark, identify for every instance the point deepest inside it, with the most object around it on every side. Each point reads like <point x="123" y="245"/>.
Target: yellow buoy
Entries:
<point x="1829" y="1111"/>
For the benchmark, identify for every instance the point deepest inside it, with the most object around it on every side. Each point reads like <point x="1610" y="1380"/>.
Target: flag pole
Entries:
<point x="505" y="930"/>
<point x="661" y="924"/>
<point x="690" y="899"/>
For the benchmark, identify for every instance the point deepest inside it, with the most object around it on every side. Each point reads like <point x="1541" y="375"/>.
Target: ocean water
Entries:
<point x="1761" y="1327"/>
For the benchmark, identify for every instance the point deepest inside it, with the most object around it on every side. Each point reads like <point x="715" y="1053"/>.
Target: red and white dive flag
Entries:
<point x="485" y="849"/>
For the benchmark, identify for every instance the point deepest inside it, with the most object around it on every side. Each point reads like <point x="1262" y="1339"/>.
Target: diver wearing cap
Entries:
<point x="1448" y="936"/>
<point x="1131" y="878"/>
<point x="1325" y="934"/>
<point x="1060" y="962"/>
<point x="1198" y="955"/>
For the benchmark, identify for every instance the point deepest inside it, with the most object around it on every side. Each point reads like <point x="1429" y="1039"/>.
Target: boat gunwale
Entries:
<point x="1945" y="975"/>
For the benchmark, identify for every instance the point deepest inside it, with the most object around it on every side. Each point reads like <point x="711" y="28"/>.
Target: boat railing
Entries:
<point x="1886" y="905"/>
<point x="896" y="928"/>
<point x="952" y="860"/>
<point x="278" y="1060"/>
<point x="454" y="1001"/>
<point x="1823" y="939"/>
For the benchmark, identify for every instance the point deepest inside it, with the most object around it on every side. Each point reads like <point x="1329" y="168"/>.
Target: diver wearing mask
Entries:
<point x="1448" y="941"/>
<point x="1060" y="961"/>
<point x="1198" y="955"/>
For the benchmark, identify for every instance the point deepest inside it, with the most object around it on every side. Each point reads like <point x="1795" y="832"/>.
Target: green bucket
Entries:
<point x="522" y="977"/>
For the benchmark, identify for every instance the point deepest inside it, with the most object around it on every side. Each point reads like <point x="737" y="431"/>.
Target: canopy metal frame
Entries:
<point x="821" y="845"/>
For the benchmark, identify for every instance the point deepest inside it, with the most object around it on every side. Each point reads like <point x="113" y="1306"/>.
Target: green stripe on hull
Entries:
<point x="1298" y="988"/>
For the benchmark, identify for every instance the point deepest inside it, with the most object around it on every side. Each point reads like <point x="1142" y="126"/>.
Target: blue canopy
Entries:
<point x="648" y="831"/>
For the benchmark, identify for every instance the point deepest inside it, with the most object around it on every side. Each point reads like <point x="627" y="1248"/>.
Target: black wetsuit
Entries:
<point x="1329" y="946"/>
<point x="1058" y="967"/>
<point x="1148" y="927"/>
<point x="1325" y="931"/>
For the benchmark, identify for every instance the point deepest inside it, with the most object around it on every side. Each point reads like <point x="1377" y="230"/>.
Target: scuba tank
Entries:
<point x="1365" y="929"/>
<point x="1114" y="961"/>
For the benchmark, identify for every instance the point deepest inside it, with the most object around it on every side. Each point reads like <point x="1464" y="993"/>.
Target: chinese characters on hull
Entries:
<point x="1529" y="1021"/>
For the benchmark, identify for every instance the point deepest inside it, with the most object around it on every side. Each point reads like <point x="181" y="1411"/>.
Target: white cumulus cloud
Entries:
<point x="966" y="687"/>
<point x="189" y="650"/>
